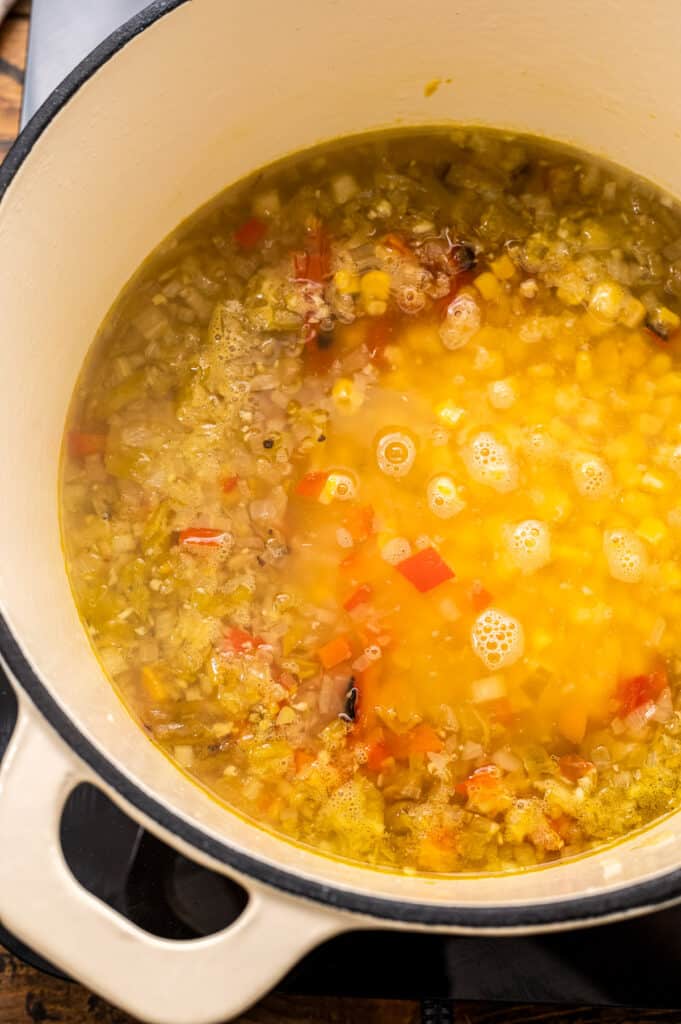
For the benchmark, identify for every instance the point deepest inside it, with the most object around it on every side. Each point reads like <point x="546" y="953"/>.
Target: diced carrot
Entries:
<point x="425" y="570"/>
<point x="638" y="690"/>
<point x="250" y="233"/>
<point x="377" y="751"/>
<point x="229" y="483"/>
<point x="153" y="684"/>
<point x="573" y="767"/>
<point x="359" y="522"/>
<point x="240" y="640"/>
<point x="82" y="443"/>
<point x="335" y="652"/>
<point x="360" y="596"/>
<point x="422" y="739"/>
<point x="312" y="484"/>
<point x="302" y="759"/>
<point x="572" y="721"/>
<point x="485" y="790"/>
<point x="202" y="536"/>
<point x="480" y="596"/>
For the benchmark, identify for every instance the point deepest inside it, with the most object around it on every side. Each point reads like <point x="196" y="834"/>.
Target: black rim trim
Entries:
<point x="633" y="898"/>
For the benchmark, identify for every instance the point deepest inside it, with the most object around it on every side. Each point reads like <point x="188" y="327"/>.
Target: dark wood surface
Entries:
<point x="28" y="995"/>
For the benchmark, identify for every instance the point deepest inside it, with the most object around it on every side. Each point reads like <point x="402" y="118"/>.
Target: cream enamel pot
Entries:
<point x="188" y="97"/>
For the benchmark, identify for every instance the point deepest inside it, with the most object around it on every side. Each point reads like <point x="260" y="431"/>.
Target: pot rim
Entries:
<point x="628" y="900"/>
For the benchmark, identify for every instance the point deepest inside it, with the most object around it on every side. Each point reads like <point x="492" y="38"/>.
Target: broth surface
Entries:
<point x="371" y="500"/>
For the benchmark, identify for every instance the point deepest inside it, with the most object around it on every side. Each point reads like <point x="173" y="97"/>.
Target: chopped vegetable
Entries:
<point x="632" y="693"/>
<point x="312" y="484"/>
<point x="250" y="233"/>
<point x="82" y="444"/>
<point x="335" y="652"/>
<point x="202" y="536"/>
<point x="358" y="597"/>
<point x="425" y="570"/>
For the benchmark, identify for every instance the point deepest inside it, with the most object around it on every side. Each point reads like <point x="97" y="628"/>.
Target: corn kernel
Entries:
<point x="632" y="312"/>
<point x="648" y="424"/>
<point x="660" y="364"/>
<point x="503" y="268"/>
<point x="583" y="366"/>
<point x="375" y="286"/>
<point x="346" y="282"/>
<point x="669" y="384"/>
<point x="448" y="414"/>
<point x="488" y="286"/>
<point x="541" y="639"/>
<point x="667" y="320"/>
<point x="637" y="504"/>
<point x="346" y="395"/>
<point x="606" y="300"/>
<point x="652" y="529"/>
<point x="286" y="716"/>
<point x="376" y="307"/>
<point x="670" y="574"/>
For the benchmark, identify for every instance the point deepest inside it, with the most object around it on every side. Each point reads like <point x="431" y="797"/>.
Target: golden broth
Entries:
<point x="372" y="500"/>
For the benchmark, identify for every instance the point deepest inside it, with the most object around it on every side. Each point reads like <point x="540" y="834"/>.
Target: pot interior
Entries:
<point x="206" y="94"/>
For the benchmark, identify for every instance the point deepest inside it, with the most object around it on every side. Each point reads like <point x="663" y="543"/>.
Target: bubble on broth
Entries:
<point x="339" y="486"/>
<point x="538" y="446"/>
<point x="591" y="475"/>
<point x="395" y="454"/>
<point x="530" y="545"/>
<point x="444" y="500"/>
<point x="461" y="322"/>
<point x="497" y="639"/>
<point x="501" y="394"/>
<point x="626" y="555"/>
<point x="396" y="550"/>
<point x="489" y="461"/>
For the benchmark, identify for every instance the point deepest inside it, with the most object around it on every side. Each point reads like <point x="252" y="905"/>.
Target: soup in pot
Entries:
<point x="371" y="500"/>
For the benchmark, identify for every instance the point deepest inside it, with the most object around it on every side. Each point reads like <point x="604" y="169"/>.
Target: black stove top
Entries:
<point x="634" y="963"/>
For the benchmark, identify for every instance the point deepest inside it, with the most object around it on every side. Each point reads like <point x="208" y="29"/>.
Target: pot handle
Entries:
<point x="158" y="980"/>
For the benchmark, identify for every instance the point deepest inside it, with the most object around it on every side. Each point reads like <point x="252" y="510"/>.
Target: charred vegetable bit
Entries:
<point x="371" y="499"/>
<point x="349" y="712"/>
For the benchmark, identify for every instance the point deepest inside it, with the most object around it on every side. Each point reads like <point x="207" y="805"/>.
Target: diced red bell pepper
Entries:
<point x="241" y="641"/>
<point x="202" y="536"/>
<point x="250" y="233"/>
<point x="425" y="570"/>
<point x="360" y="596"/>
<point x="312" y="484"/>
<point x="574" y="767"/>
<point x="632" y="693"/>
<point x="229" y="483"/>
<point x="314" y="262"/>
<point x="82" y="443"/>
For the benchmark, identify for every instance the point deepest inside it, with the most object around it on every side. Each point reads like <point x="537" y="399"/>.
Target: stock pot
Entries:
<point x="187" y="97"/>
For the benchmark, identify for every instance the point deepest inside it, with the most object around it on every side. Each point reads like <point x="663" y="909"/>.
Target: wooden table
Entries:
<point x="29" y="995"/>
